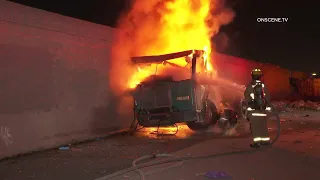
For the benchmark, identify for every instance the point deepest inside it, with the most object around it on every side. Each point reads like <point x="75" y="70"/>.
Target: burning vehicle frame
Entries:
<point x="161" y="101"/>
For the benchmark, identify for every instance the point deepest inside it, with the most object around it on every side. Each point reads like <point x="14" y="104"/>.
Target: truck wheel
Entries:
<point x="230" y="120"/>
<point x="211" y="117"/>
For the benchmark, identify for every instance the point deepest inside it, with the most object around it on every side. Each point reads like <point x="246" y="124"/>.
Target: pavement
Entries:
<point x="295" y="156"/>
<point x="276" y="163"/>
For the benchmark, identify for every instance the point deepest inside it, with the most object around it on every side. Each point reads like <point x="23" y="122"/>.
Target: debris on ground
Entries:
<point x="297" y="104"/>
<point x="280" y="105"/>
<point x="287" y="106"/>
<point x="64" y="148"/>
<point x="217" y="175"/>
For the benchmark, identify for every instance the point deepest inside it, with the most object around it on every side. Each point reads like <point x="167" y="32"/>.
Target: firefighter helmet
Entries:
<point x="256" y="74"/>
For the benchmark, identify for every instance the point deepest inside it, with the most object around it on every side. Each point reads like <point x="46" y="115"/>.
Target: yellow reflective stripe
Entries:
<point x="261" y="139"/>
<point x="250" y="109"/>
<point x="257" y="139"/>
<point x="258" y="114"/>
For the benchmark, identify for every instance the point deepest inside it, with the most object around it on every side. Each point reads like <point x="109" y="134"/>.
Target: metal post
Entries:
<point x="194" y="66"/>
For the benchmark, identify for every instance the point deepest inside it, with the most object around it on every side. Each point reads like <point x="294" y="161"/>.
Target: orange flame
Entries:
<point x="154" y="27"/>
<point x="181" y="131"/>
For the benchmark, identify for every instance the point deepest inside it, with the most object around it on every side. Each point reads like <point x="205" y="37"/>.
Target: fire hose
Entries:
<point x="136" y="167"/>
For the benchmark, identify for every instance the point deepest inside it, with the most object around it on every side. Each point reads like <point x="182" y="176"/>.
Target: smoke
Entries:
<point x="221" y="42"/>
<point x="219" y="15"/>
<point x="159" y="26"/>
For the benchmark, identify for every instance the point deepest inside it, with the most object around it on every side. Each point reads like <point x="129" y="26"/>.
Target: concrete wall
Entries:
<point x="53" y="80"/>
<point x="238" y="70"/>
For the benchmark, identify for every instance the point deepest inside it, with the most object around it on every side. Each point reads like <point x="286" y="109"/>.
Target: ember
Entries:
<point x="156" y="27"/>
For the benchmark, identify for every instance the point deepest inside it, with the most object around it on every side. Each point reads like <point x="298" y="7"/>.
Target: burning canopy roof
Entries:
<point x="162" y="58"/>
<point x="202" y="64"/>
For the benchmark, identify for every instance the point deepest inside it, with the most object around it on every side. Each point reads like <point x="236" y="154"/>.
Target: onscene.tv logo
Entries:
<point x="272" y="20"/>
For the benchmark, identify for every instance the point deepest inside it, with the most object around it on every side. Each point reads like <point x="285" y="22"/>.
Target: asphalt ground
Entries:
<point x="104" y="156"/>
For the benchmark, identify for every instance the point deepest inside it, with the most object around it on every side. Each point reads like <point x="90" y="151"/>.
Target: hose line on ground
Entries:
<point x="137" y="168"/>
<point x="134" y="163"/>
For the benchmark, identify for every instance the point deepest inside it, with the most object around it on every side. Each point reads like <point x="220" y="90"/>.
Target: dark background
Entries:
<point x="291" y="45"/>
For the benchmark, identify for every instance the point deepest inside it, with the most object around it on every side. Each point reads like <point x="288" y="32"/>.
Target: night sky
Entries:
<point x="291" y="45"/>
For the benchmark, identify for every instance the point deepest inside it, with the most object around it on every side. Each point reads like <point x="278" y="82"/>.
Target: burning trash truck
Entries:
<point x="198" y="99"/>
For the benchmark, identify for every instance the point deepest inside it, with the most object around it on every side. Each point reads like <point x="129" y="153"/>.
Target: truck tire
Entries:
<point x="211" y="118"/>
<point x="231" y="122"/>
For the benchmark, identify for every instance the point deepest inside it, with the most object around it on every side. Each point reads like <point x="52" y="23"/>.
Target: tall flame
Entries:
<point x="154" y="27"/>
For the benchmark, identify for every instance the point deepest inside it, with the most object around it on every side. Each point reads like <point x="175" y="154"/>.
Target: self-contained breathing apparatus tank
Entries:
<point x="258" y="101"/>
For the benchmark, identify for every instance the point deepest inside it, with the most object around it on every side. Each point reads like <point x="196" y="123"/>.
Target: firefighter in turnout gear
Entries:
<point x="257" y="99"/>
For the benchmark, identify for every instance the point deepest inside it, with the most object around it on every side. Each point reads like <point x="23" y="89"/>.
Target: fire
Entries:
<point x="154" y="27"/>
<point x="181" y="131"/>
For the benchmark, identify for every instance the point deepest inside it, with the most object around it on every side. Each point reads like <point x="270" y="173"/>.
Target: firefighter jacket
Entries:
<point x="249" y="91"/>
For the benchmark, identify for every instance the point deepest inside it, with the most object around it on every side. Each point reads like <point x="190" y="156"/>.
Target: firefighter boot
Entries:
<point x="255" y="145"/>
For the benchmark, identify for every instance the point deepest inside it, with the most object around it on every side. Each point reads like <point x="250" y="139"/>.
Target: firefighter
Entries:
<point x="258" y="100"/>
<point x="293" y="84"/>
